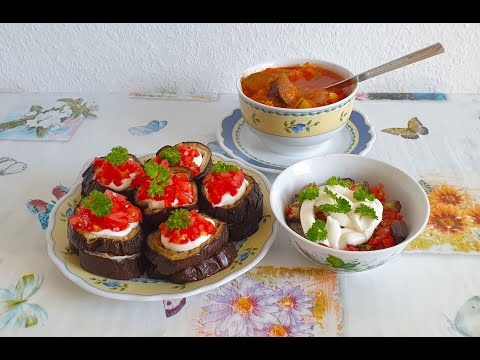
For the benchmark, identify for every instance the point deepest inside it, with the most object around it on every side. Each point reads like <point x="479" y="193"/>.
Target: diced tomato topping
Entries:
<point x="288" y="210"/>
<point x="106" y="173"/>
<point x="321" y="216"/>
<point x="164" y="163"/>
<point x="178" y="188"/>
<point x="385" y="232"/>
<point x="188" y="153"/>
<point x="377" y="190"/>
<point x="218" y="184"/>
<point x="388" y="242"/>
<point x="122" y="214"/>
<point x="199" y="226"/>
<point x="352" y="248"/>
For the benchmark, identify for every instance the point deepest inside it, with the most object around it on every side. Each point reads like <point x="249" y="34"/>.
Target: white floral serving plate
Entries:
<point x="236" y="138"/>
<point x="250" y="252"/>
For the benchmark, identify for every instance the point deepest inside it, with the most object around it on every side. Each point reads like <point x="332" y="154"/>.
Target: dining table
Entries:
<point x="431" y="289"/>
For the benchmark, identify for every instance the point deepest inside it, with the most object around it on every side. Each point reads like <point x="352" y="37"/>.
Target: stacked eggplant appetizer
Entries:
<point x="175" y="217"/>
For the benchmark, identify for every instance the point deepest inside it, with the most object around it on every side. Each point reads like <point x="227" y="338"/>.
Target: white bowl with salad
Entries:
<point x="347" y="212"/>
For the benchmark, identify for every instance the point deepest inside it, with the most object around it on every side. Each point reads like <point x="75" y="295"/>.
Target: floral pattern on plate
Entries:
<point x="238" y="141"/>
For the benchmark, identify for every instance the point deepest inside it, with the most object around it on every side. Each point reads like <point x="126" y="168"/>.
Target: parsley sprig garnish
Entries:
<point x="159" y="175"/>
<point x="118" y="156"/>
<point x="220" y="167"/>
<point x="364" y="246"/>
<point x="335" y="180"/>
<point x="365" y="210"/>
<point x="171" y="154"/>
<point x="317" y="232"/>
<point x="98" y="203"/>
<point x="178" y="219"/>
<point x="311" y="192"/>
<point x="341" y="205"/>
<point x="361" y="194"/>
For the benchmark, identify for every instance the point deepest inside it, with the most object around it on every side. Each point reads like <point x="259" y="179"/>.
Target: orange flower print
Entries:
<point x="447" y="195"/>
<point x="447" y="220"/>
<point x="474" y="214"/>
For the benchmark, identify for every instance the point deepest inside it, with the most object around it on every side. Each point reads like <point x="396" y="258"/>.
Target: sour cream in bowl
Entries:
<point x="347" y="212"/>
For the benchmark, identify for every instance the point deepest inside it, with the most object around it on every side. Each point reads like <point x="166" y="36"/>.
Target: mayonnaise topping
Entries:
<point x="120" y="233"/>
<point x="198" y="160"/>
<point x="112" y="257"/>
<point x="125" y="183"/>
<point x="343" y="229"/>
<point x="228" y="199"/>
<point x="192" y="244"/>
<point x="159" y="204"/>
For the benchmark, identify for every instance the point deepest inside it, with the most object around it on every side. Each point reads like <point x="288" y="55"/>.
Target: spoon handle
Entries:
<point x="411" y="58"/>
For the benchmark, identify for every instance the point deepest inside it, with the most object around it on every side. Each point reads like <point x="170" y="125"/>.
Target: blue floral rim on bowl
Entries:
<point x="235" y="138"/>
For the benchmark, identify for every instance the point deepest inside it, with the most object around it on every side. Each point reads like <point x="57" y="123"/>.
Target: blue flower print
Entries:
<point x="298" y="128"/>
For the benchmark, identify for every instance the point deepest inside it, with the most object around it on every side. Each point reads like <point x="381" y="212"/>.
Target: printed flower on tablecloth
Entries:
<point x="448" y="220"/>
<point x="42" y="209"/>
<point x="272" y="301"/>
<point x="15" y="308"/>
<point x="293" y="305"/>
<point x="448" y="195"/>
<point x="54" y="121"/>
<point x="454" y="223"/>
<point x="474" y="214"/>
<point x="282" y="329"/>
<point x="241" y="309"/>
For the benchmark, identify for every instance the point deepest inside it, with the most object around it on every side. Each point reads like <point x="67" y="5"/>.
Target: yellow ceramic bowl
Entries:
<point x="283" y="129"/>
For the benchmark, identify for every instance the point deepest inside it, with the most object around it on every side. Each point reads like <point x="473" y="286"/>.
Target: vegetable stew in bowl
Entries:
<point x="294" y="87"/>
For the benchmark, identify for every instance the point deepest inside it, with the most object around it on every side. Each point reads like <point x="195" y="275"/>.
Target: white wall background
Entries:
<point x="209" y="57"/>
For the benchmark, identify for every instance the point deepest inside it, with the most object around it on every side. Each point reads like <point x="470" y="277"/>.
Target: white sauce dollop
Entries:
<point x="112" y="257"/>
<point x="198" y="160"/>
<point x="125" y="183"/>
<point x="342" y="229"/>
<point x="159" y="204"/>
<point x="228" y="199"/>
<point x="120" y="233"/>
<point x="188" y="246"/>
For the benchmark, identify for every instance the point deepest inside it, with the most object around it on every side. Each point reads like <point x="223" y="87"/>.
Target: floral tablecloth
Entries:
<point x="432" y="289"/>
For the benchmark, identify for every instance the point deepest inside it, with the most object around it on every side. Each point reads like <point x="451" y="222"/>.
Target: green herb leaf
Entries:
<point x="99" y="203"/>
<point x="364" y="246"/>
<point x="341" y="205"/>
<point x="178" y="219"/>
<point x="152" y="169"/>
<point x="171" y="154"/>
<point x="317" y="232"/>
<point x="361" y="194"/>
<point x="365" y="210"/>
<point x="220" y="167"/>
<point x="159" y="175"/>
<point x="118" y="156"/>
<point x="334" y="180"/>
<point x="311" y="192"/>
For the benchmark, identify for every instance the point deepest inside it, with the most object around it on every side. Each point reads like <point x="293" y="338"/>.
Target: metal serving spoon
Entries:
<point x="422" y="54"/>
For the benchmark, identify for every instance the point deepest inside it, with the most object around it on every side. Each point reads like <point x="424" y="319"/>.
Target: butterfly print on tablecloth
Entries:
<point x="151" y="128"/>
<point x="9" y="166"/>
<point x="42" y="208"/>
<point x="414" y="127"/>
